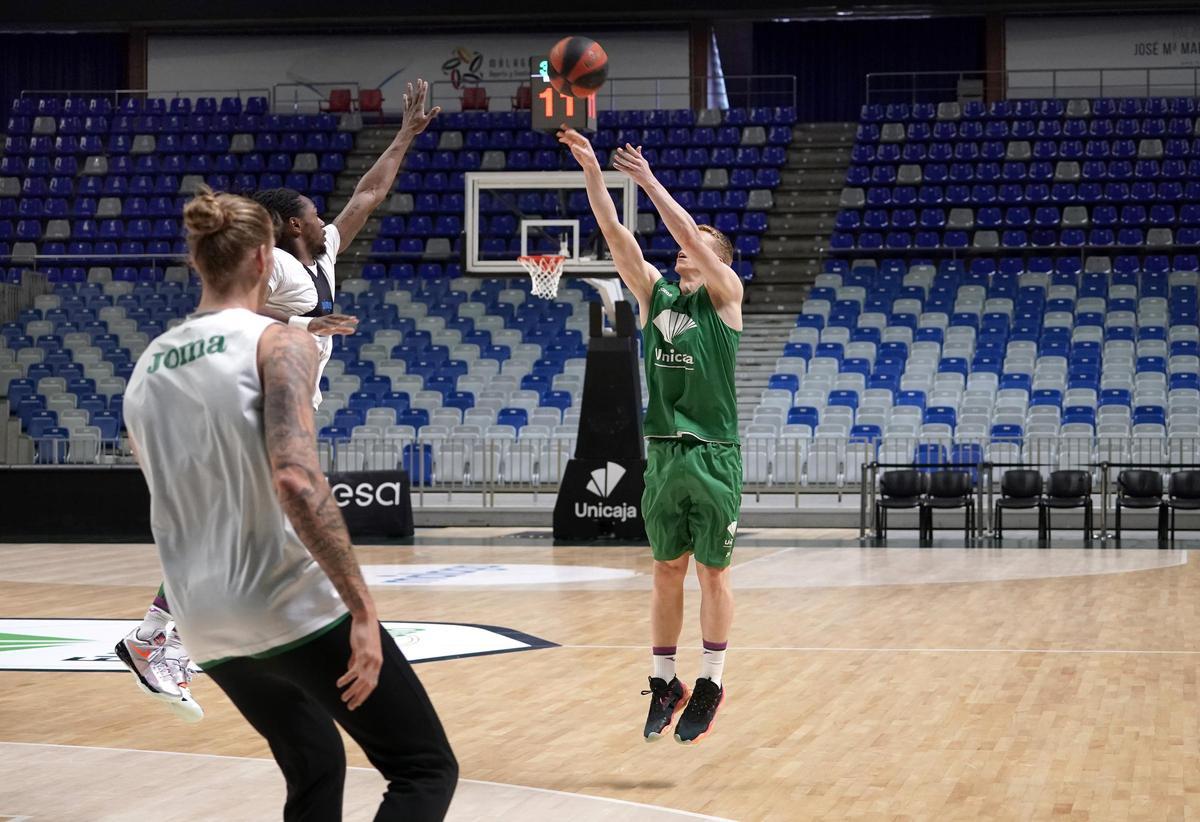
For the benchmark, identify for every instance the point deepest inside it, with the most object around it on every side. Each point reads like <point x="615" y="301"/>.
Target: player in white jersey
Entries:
<point x="300" y="292"/>
<point x="257" y="562"/>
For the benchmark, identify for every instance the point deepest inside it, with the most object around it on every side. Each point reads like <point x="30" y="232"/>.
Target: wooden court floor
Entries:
<point x="863" y="683"/>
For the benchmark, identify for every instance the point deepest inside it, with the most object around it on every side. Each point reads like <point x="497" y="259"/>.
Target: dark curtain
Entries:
<point x="831" y="59"/>
<point x="61" y="61"/>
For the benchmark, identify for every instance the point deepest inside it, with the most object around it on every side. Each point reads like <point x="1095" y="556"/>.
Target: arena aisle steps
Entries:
<point x="802" y="215"/>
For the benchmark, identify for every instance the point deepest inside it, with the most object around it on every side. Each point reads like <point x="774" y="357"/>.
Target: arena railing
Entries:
<point x="634" y="93"/>
<point x="1106" y="81"/>
<point x="117" y="95"/>
<point x="307" y="98"/>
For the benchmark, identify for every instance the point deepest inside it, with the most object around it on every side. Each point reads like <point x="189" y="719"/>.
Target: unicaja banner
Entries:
<point x="599" y="498"/>
<point x="374" y="503"/>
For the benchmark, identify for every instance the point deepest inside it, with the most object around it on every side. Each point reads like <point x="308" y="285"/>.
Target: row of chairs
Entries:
<point x="1025" y="489"/>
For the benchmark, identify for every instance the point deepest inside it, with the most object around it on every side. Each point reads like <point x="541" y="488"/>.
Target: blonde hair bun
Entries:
<point x="204" y="214"/>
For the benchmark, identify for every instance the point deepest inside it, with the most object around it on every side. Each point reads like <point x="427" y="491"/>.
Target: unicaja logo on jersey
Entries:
<point x="602" y="483"/>
<point x="672" y="324"/>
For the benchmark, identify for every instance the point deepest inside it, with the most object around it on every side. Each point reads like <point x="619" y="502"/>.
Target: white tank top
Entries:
<point x="237" y="578"/>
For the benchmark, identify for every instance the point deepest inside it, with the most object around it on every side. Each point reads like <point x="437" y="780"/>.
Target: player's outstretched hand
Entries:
<point x="416" y="119"/>
<point x="580" y="147"/>
<point x="366" y="658"/>
<point x="629" y="160"/>
<point x="332" y="324"/>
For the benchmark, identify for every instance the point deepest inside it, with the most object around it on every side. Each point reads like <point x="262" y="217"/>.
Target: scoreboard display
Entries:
<point x="552" y="109"/>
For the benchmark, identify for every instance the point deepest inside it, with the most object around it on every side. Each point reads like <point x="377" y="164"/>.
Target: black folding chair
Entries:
<point x="948" y="490"/>
<point x="1067" y="490"/>
<point x="1141" y="489"/>
<point x="1020" y="490"/>
<point x="1183" y="494"/>
<point x="897" y="490"/>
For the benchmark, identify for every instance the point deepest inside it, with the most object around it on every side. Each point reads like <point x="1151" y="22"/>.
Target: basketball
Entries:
<point x="578" y="66"/>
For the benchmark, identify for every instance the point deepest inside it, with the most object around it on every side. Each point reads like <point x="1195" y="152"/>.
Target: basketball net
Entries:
<point x="545" y="270"/>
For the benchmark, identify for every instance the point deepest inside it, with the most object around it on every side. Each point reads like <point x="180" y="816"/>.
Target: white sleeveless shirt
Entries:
<point x="238" y="579"/>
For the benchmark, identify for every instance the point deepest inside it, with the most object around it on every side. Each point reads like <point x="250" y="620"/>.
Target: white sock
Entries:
<point x="664" y="664"/>
<point x="156" y="620"/>
<point x="712" y="664"/>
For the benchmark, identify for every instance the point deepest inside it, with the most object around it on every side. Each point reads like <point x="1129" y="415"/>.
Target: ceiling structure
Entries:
<point x="373" y="15"/>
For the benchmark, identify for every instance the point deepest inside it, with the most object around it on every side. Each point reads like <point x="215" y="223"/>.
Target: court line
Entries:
<point x="626" y="802"/>
<point x="835" y="650"/>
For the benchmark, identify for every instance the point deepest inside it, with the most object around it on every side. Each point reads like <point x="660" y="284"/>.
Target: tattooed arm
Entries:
<point x="374" y="186"/>
<point x="287" y="360"/>
<point x="287" y="363"/>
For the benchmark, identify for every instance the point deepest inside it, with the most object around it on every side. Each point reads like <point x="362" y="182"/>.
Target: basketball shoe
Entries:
<point x="666" y="700"/>
<point x="161" y="668"/>
<point x="697" y="719"/>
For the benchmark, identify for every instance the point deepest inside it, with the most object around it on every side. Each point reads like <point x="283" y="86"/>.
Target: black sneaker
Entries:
<point x="667" y="700"/>
<point x="702" y="708"/>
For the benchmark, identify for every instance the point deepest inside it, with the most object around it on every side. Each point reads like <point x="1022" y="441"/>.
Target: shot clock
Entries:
<point x="551" y="109"/>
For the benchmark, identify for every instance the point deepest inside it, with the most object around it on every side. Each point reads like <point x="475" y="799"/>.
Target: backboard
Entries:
<point x="511" y="213"/>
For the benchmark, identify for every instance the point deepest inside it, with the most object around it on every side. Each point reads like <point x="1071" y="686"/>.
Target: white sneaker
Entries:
<point x="161" y="671"/>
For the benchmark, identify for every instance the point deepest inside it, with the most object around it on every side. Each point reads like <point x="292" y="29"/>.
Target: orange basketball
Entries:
<point x="578" y="66"/>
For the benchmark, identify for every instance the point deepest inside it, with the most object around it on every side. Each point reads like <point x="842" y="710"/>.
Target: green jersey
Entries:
<point x="691" y="360"/>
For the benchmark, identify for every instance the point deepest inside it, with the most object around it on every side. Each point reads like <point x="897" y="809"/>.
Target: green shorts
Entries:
<point x="692" y="499"/>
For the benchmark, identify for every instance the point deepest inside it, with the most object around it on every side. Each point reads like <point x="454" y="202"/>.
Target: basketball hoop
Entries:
<point x="544" y="270"/>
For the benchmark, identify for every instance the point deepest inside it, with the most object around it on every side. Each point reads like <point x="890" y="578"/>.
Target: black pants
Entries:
<point x="293" y="701"/>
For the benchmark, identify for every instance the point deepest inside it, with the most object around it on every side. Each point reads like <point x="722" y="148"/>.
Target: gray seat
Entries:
<point x="949" y="111"/>
<point x="892" y="133"/>
<point x="10" y="187"/>
<point x="176" y="274"/>
<point x="1018" y="150"/>
<point x="754" y="136"/>
<point x="95" y="166"/>
<point x="986" y="240"/>
<point x="99" y="274"/>
<point x="438" y="247"/>
<point x="716" y="178"/>
<point x="1075" y="217"/>
<point x="241" y="144"/>
<point x="1150" y="149"/>
<point x="1159" y="237"/>
<point x="109" y="208"/>
<point x="24" y="253"/>
<point x="190" y="183"/>
<point x="350" y="121"/>
<point x="708" y="117"/>
<point x="908" y="174"/>
<point x="57" y="230"/>
<point x="1079" y="108"/>
<point x="305" y="162"/>
<point x="761" y="199"/>
<point x="450" y="141"/>
<point x="1097" y="265"/>
<point x="852" y="198"/>
<point x="493" y="161"/>
<point x="143" y="144"/>
<point x="960" y="218"/>
<point x="1066" y="171"/>
<point x="646" y="223"/>
<point x="400" y="204"/>
<point x="44" y="126"/>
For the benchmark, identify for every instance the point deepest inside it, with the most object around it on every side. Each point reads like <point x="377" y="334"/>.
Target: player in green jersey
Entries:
<point x="690" y="334"/>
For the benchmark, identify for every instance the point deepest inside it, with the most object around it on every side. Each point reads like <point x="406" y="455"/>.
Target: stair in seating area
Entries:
<point x="763" y="337"/>
<point x="801" y="218"/>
